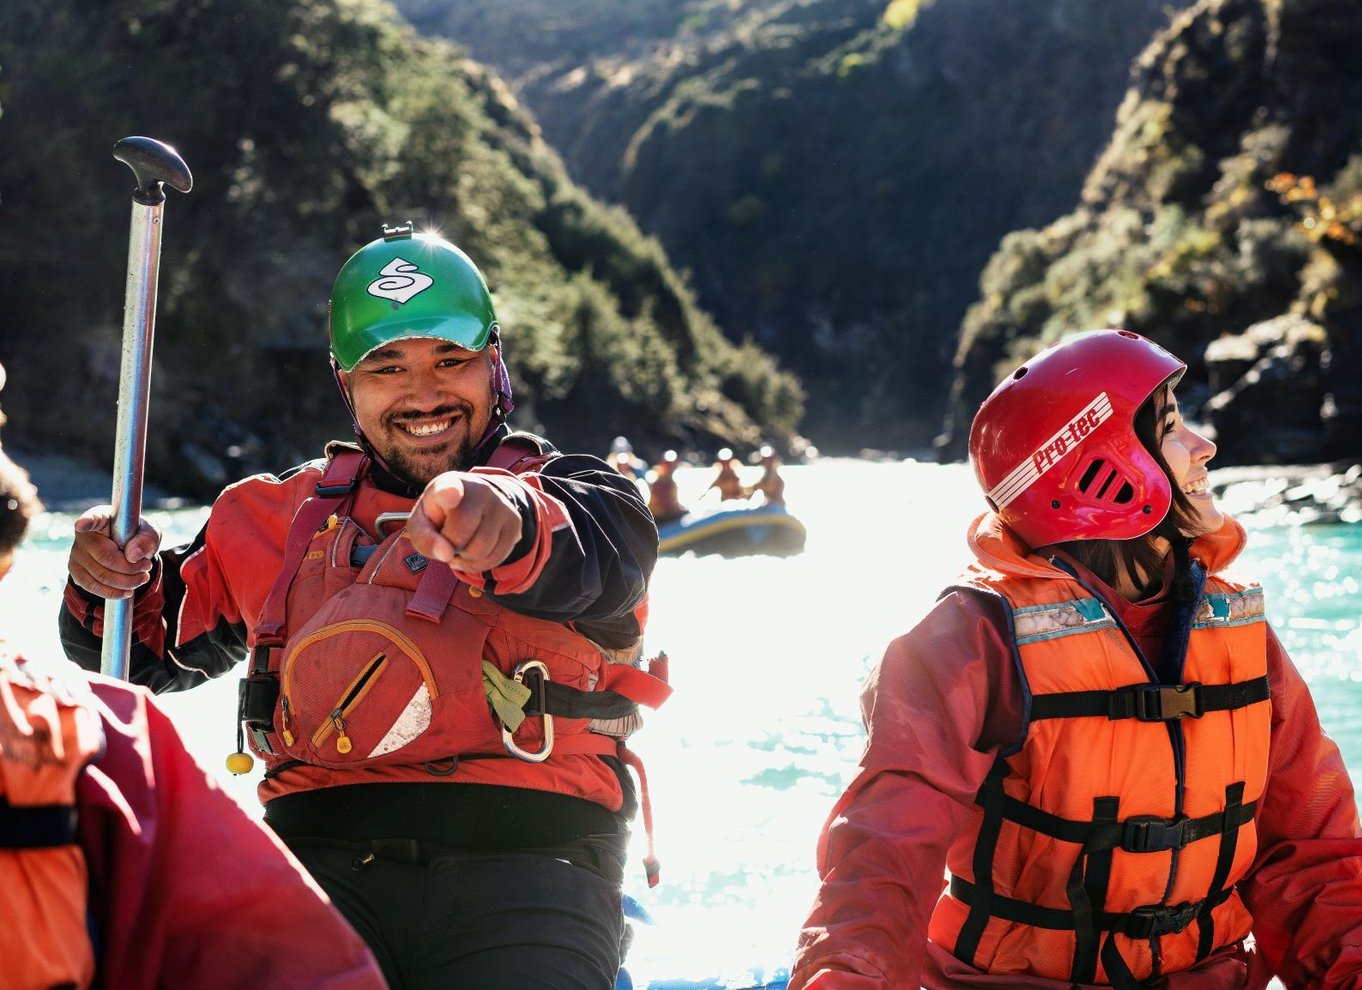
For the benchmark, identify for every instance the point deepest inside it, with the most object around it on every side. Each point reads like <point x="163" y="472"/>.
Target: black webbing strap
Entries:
<point x="36" y="826"/>
<point x="1151" y="702"/>
<point x="1229" y="840"/>
<point x="990" y="799"/>
<point x="1087" y="890"/>
<point x="1143" y="922"/>
<point x="565" y="701"/>
<point x="1141" y="833"/>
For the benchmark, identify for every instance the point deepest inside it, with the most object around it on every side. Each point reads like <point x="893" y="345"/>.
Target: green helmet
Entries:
<point x="408" y="285"/>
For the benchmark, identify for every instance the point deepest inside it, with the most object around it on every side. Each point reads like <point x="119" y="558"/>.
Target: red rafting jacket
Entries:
<point x="587" y="548"/>
<point x="159" y="837"/>
<point x="942" y="704"/>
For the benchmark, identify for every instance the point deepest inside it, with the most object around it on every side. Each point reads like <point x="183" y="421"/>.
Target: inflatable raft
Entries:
<point x="734" y="532"/>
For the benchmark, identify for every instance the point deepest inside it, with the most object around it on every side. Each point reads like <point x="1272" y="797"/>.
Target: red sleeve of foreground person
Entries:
<point x="940" y="706"/>
<point x="1305" y="892"/>
<point x="186" y="890"/>
<point x="937" y="711"/>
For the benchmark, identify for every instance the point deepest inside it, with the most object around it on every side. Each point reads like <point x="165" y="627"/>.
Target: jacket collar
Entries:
<point x="998" y="548"/>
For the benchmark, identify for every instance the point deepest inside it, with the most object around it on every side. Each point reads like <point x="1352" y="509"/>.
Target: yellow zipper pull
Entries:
<point x="343" y="744"/>
<point x="283" y="722"/>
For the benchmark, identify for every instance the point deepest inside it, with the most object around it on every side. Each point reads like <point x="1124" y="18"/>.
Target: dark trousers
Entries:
<point x="512" y="920"/>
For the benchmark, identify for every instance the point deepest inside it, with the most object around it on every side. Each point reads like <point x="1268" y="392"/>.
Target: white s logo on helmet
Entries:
<point x="400" y="282"/>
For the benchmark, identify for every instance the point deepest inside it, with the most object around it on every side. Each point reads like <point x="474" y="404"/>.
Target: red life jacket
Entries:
<point x="398" y="666"/>
<point x="49" y="731"/>
<point x="1106" y="846"/>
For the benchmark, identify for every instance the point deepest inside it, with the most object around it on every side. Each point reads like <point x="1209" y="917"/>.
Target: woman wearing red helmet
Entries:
<point x="1095" y="735"/>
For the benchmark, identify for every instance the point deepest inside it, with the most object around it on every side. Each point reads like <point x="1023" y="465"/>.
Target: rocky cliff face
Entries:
<point x="833" y="173"/>
<point x="1223" y="220"/>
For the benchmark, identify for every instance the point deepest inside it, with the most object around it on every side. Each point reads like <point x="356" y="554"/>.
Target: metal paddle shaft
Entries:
<point x="155" y="165"/>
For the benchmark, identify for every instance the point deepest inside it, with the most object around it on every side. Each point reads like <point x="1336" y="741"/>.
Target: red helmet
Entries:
<point x="1054" y="447"/>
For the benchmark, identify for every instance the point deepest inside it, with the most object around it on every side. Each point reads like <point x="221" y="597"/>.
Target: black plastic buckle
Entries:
<point x="1148" y="922"/>
<point x="1153" y="834"/>
<point x="256" y="696"/>
<point x="1158" y="702"/>
<point x="335" y="491"/>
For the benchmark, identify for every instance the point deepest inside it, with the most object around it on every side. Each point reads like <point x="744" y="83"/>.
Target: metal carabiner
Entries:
<point x="508" y="738"/>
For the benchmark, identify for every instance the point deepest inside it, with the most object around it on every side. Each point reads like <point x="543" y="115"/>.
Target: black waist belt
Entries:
<point x="1141" y="922"/>
<point x="603" y="855"/>
<point x="484" y="817"/>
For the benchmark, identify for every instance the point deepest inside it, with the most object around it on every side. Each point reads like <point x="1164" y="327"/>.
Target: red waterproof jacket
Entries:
<point x="185" y="890"/>
<point x="587" y="548"/>
<point x="946" y="700"/>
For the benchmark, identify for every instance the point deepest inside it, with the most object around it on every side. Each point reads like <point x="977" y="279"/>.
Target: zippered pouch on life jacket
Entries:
<point x="361" y="684"/>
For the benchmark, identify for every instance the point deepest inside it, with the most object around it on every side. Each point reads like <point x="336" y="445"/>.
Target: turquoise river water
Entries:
<point x="767" y="657"/>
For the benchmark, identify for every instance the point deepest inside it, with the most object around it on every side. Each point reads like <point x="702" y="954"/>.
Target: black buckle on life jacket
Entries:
<point x="1156" y="702"/>
<point x="336" y="490"/>
<point x="257" y="694"/>
<point x="1153" y="834"/>
<point x="1147" y="922"/>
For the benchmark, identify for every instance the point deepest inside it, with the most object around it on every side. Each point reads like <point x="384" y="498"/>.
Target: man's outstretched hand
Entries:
<point x="465" y="521"/>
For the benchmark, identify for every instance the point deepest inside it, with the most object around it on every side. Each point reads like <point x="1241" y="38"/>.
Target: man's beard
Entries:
<point x="417" y="470"/>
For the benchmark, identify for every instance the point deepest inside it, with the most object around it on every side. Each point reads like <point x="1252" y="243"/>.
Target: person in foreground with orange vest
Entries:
<point x="444" y="625"/>
<point x="1095" y="734"/>
<point x="122" y="864"/>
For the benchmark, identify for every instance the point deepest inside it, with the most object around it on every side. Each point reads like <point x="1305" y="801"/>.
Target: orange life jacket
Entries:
<point x="49" y="731"/>
<point x="1105" y="847"/>
<point x="399" y="667"/>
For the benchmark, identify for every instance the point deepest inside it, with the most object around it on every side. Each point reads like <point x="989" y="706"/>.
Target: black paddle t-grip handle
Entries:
<point x="154" y="163"/>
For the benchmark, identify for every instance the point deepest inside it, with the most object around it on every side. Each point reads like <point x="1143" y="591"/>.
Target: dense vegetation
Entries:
<point x="833" y="173"/>
<point x="1223" y="220"/>
<point x="307" y="124"/>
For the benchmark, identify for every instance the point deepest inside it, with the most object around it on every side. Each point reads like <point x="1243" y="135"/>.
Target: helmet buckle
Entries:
<point x="401" y="231"/>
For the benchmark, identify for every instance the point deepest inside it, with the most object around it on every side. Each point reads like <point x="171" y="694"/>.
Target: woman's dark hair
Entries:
<point x="1141" y="559"/>
<point x="18" y="504"/>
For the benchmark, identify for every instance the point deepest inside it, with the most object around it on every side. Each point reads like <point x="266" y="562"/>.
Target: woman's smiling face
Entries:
<point x="1186" y="452"/>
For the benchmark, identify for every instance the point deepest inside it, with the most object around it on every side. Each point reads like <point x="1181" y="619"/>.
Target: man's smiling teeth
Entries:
<point x="426" y="429"/>
<point x="1196" y="488"/>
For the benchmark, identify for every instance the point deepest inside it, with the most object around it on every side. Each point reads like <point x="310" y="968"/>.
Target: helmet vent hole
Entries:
<point x="1090" y="475"/>
<point x="1019" y="373"/>
<point x="1102" y="481"/>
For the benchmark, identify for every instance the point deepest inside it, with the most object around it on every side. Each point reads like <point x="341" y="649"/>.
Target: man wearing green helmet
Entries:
<point x="444" y="624"/>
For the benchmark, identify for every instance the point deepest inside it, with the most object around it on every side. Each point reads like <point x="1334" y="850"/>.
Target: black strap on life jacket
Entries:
<point x="1229" y="839"/>
<point x="991" y="799"/>
<point x="1152" y="702"/>
<point x="1150" y="921"/>
<point x="36" y="826"/>
<point x="1087" y="885"/>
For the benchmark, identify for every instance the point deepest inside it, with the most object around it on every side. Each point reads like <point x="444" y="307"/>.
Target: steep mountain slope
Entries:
<point x="1223" y="220"/>
<point x="833" y="173"/>
<point x="308" y="123"/>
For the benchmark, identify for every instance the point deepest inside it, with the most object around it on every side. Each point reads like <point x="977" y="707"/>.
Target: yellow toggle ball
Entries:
<point x="239" y="763"/>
